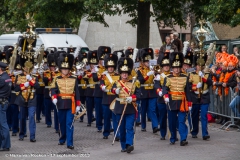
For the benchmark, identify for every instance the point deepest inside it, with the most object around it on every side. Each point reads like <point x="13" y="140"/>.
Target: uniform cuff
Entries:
<point x="32" y="82"/>
<point x="22" y="86"/>
<point x="204" y="80"/>
<point x="165" y="96"/>
<point x="78" y="103"/>
<point x="89" y="75"/>
<point x="134" y="98"/>
<point x="113" y="90"/>
<point x="189" y="104"/>
<point x="158" y="90"/>
<point x="79" y="77"/>
<point x="54" y="96"/>
<point x="194" y="87"/>
<point x="146" y="78"/>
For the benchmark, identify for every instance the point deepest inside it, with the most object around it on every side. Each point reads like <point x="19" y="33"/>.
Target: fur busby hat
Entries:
<point x="102" y="51"/>
<point x="56" y="56"/>
<point x="110" y="60"/>
<point x="146" y="54"/>
<point x="26" y="63"/>
<point x="188" y="58"/>
<point x="92" y="57"/>
<point x="200" y="59"/>
<point x="83" y="58"/>
<point x="7" y="47"/>
<point x="65" y="61"/>
<point x="50" y="60"/>
<point x="3" y="57"/>
<point x="129" y="53"/>
<point x="125" y="65"/>
<point x="163" y="59"/>
<point x="176" y="59"/>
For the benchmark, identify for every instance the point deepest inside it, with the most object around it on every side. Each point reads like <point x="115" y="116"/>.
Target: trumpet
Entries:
<point x="157" y="69"/>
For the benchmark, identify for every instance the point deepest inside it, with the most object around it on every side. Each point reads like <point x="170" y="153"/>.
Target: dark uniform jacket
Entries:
<point x="147" y="86"/>
<point x="131" y="108"/>
<point x="108" y="97"/>
<point x="204" y="91"/>
<point x="82" y="85"/>
<point x="67" y="85"/>
<point x="48" y="77"/>
<point x="13" y="94"/>
<point x="27" y="96"/>
<point x="178" y="84"/>
<point x="5" y="85"/>
<point x="96" y="78"/>
<point x="40" y="90"/>
<point x="90" y="84"/>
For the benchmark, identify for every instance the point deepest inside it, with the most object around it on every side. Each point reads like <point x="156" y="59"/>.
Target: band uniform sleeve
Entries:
<point x="114" y="87"/>
<point x="187" y="90"/>
<point x="165" y="88"/>
<point x="54" y="90"/>
<point x="157" y="86"/>
<point x="34" y="83"/>
<point x="77" y="94"/>
<point x="140" y="77"/>
<point x="17" y="86"/>
<point x="95" y="77"/>
<point x="2" y="83"/>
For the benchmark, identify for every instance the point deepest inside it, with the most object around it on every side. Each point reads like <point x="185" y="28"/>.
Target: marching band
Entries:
<point x="123" y="91"/>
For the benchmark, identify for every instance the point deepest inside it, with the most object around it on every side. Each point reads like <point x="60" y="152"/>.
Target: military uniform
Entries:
<point x="48" y="77"/>
<point x="163" y="60"/>
<point x="125" y="104"/>
<point x="176" y="95"/>
<point x="65" y="96"/>
<point x="106" y="84"/>
<point x="200" y="96"/>
<point x="148" y="93"/>
<point x="5" y="90"/>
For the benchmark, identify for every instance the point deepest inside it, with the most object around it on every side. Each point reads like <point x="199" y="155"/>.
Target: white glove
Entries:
<point x="199" y="85"/>
<point x="117" y="91"/>
<point x="163" y="75"/>
<point x="129" y="99"/>
<point x="54" y="101"/>
<point x="104" y="88"/>
<point x="78" y="108"/>
<point x="28" y="77"/>
<point x="105" y="72"/>
<point x="150" y="73"/>
<point x="26" y="84"/>
<point x="189" y="108"/>
<point x="157" y="78"/>
<point x="200" y="74"/>
<point x="96" y="69"/>
<point x="151" y="67"/>
<point x="19" y="49"/>
<point x="166" y="100"/>
<point x="50" y="94"/>
<point x="160" y="93"/>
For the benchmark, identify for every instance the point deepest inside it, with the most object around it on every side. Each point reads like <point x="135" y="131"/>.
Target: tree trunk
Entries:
<point x="143" y="25"/>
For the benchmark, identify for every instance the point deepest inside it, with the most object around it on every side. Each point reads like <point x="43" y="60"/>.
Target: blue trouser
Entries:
<point x="9" y="117"/>
<point x="139" y="110"/>
<point x="32" y="124"/>
<point x="99" y="112"/>
<point x="90" y="106"/>
<point x="107" y="114"/>
<point x="115" y="124"/>
<point x="234" y="105"/>
<point x="182" y="128"/>
<point x="149" y="105"/>
<point x="14" y="117"/>
<point x="83" y="100"/>
<point x="126" y="129"/>
<point x="4" y="130"/>
<point x="40" y="106"/>
<point x="195" y="119"/>
<point x="48" y="109"/>
<point x="162" y="112"/>
<point x="66" y="128"/>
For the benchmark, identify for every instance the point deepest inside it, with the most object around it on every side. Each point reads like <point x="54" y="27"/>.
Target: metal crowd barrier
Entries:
<point x="220" y="106"/>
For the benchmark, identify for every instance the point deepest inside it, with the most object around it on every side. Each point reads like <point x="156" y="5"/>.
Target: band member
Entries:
<point x="125" y="104"/>
<point x="65" y="96"/>
<point x="176" y="96"/>
<point x="200" y="96"/>
<point x="48" y="77"/>
<point x="163" y="60"/>
<point x="97" y="74"/>
<point x="5" y="87"/>
<point x="26" y="84"/>
<point x="187" y="63"/>
<point x="106" y="83"/>
<point x="148" y="93"/>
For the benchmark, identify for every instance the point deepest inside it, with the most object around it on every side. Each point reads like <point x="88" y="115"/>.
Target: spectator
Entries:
<point x="168" y="46"/>
<point x="177" y="42"/>
<point x="171" y="37"/>
<point x="236" y="51"/>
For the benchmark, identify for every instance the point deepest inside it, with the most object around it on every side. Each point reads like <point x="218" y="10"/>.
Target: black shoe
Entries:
<point x="105" y="137"/>
<point x="111" y="130"/>
<point x="123" y="150"/>
<point x="81" y="121"/>
<point x="88" y="125"/>
<point x="70" y="147"/>
<point x="48" y="126"/>
<point x="21" y="139"/>
<point x="10" y="129"/>
<point x="32" y="140"/>
<point x="155" y="130"/>
<point x="100" y="131"/>
<point x="176" y="139"/>
<point x="183" y="143"/>
<point x="37" y="121"/>
<point x="162" y="138"/>
<point x="93" y="119"/>
<point x="4" y="149"/>
<point x="194" y="136"/>
<point x="130" y="149"/>
<point x="117" y="139"/>
<point x="143" y="130"/>
<point x="172" y="143"/>
<point x="25" y="135"/>
<point x="61" y="143"/>
<point x="206" y="137"/>
<point x="149" y="120"/>
<point x="14" y="134"/>
<point x="138" y="123"/>
<point x="57" y="132"/>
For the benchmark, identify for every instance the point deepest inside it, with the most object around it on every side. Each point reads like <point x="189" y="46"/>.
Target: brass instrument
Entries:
<point x="79" y="114"/>
<point x="157" y="69"/>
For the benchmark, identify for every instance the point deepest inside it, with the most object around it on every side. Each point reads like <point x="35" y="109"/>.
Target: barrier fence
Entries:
<point x="221" y="106"/>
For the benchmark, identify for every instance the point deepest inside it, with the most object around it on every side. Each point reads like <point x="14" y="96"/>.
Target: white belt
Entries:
<point x="81" y="85"/>
<point x="14" y="92"/>
<point x="90" y="85"/>
<point x="204" y="92"/>
<point x="147" y="85"/>
<point x="40" y="83"/>
<point x="48" y="87"/>
<point x="32" y="91"/>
